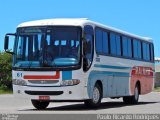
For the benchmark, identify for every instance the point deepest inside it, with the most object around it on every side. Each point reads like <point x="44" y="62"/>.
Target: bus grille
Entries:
<point x="44" y="92"/>
<point x="43" y="81"/>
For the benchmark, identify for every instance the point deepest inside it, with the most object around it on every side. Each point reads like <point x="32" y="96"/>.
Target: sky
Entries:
<point x="140" y="17"/>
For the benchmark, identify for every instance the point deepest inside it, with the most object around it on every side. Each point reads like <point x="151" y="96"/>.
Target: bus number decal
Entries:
<point x="19" y="74"/>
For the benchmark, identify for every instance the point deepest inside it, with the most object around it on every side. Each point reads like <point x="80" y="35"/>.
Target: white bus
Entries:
<point x="79" y="60"/>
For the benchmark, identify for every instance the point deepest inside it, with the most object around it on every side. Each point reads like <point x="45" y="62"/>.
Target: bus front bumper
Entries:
<point x="50" y="93"/>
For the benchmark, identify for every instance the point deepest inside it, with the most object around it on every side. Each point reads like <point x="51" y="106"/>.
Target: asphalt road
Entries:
<point x="149" y="103"/>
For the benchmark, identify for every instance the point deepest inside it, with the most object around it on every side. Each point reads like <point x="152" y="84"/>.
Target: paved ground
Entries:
<point x="149" y="103"/>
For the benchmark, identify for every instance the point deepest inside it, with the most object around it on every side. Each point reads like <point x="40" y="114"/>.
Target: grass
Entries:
<point x="4" y="90"/>
<point x="157" y="89"/>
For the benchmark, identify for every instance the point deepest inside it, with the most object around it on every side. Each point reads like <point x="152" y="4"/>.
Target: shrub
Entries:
<point x="5" y="70"/>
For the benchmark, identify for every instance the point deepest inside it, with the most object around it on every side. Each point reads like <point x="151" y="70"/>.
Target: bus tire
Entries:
<point x="133" y="99"/>
<point x="40" y="105"/>
<point x="96" y="98"/>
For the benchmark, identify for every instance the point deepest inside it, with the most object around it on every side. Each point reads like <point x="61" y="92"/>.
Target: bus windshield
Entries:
<point x="47" y="47"/>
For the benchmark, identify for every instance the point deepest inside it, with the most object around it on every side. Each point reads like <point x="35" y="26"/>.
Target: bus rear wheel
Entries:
<point x="133" y="99"/>
<point x="40" y="105"/>
<point x="96" y="97"/>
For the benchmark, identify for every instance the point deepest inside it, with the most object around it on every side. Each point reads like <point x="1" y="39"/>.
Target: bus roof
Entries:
<point x="79" y="22"/>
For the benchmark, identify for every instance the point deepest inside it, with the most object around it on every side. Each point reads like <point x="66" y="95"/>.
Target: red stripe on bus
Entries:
<point x="39" y="77"/>
<point x="145" y="76"/>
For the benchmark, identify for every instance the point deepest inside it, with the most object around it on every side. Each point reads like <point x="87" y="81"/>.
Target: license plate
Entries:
<point x="44" y="98"/>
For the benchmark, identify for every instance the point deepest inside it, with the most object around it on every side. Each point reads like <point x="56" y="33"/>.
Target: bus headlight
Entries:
<point x="70" y="82"/>
<point x="19" y="82"/>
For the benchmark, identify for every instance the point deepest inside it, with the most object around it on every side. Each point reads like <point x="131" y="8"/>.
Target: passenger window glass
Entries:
<point x="127" y="47"/>
<point x="144" y="51"/>
<point x="137" y="53"/>
<point x="151" y="51"/>
<point x="135" y="48"/>
<point x="118" y="45"/>
<point x="113" y="43"/>
<point x="105" y="42"/>
<point x="139" y="50"/>
<point x="148" y="53"/>
<point x="98" y="40"/>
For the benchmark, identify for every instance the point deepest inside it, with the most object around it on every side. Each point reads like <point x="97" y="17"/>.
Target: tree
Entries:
<point x="6" y="70"/>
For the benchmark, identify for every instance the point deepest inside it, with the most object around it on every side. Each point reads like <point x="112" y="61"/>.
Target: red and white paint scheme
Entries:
<point x="145" y="75"/>
<point x="79" y="60"/>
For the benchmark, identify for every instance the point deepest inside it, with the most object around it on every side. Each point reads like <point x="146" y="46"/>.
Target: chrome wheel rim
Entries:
<point x="96" y="95"/>
<point x="136" y="93"/>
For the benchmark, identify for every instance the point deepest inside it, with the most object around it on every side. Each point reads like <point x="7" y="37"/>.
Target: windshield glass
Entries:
<point x="47" y="47"/>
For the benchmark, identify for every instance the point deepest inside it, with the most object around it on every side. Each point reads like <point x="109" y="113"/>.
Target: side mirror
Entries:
<point x="6" y="40"/>
<point x="6" y="43"/>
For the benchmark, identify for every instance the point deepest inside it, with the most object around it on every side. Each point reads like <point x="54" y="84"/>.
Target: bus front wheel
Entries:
<point x="40" y="105"/>
<point x="132" y="99"/>
<point x="96" y="97"/>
